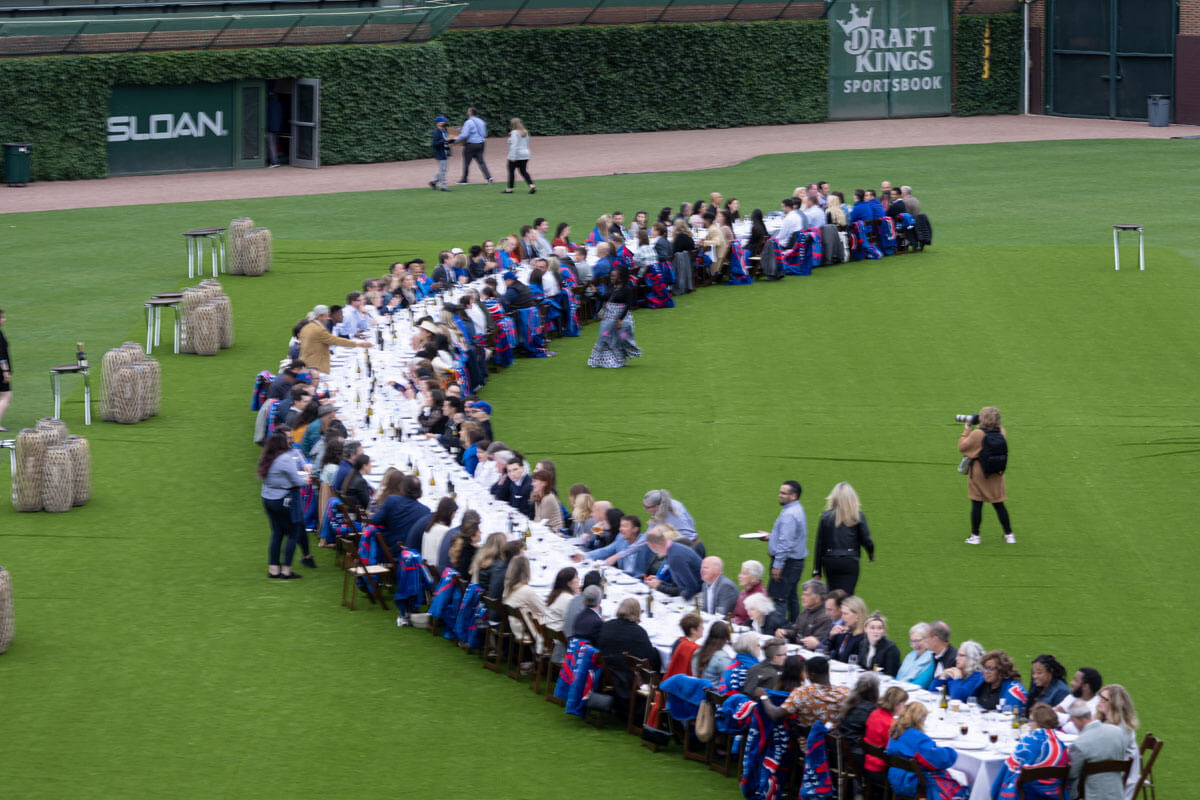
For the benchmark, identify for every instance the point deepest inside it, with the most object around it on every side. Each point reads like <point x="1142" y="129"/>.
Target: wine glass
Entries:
<point x="853" y="662"/>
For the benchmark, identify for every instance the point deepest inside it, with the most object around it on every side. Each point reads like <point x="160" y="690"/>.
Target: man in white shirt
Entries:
<point x="355" y="322"/>
<point x="793" y="222"/>
<point x="937" y="642"/>
<point x="814" y="216"/>
<point x="1085" y="686"/>
<point x="823" y="193"/>
<point x="549" y="279"/>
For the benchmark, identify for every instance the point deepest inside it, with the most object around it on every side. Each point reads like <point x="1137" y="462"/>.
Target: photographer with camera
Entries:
<point x="985" y="457"/>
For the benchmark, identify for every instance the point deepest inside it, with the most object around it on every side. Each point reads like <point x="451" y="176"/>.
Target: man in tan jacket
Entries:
<point x="315" y="341"/>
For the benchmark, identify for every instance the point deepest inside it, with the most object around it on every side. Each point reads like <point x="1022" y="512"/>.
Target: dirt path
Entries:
<point x="577" y="156"/>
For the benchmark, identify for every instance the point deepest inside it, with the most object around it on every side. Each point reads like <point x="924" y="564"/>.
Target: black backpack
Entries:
<point x="993" y="456"/>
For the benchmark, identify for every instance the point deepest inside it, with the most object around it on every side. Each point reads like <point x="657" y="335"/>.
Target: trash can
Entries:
<point x="1158" y="109"/>
<point x="16" y="163"/>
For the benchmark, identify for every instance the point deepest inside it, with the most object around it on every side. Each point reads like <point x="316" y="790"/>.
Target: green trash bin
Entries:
<point x="17" y="160"/>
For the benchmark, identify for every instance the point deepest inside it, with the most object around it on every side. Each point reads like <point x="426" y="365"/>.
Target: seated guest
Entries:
<point x="350" y="448"/>
<point x="520" y="596"/>
<point x="1001" y="686"/>
<point x="765" y="619"/>
<point x="581" y="515"/>
<point x="909" y="740"/>
<point x="1097" y="741"/>
<point x="686" y="646"/>
<point x="1041" y="747"/>
<point x="896" y="205"/>
<point x="515" y="487"/>
<point x="487" y="561"/>
<point x="835" y="211"/>
<point x="470" y="438"/>
<point x="963" y="679"/>
<point x="937" y="642"/>
<point x="876" y="649"/>
<point x="857" y="709"/>
<point x="469" y="530"/>
<point x="499" y="574"/>
<point x="718" y="594"/>
<point x="465" y="543"/>
<point x="758" y="234"/>
<point x="917" y="666"/>
<point x="355" y="487"/>
<point x="750" y="579"/>
<point x="714" y="655"/>
<point x="812" y="623"/>
<point x="816" y="700"/>
<point x="878" y="725"/>
<point x="546" y="508"/>
<point x="603" y="267"/>
<point x="281" y="385"/>
<point x="847" y="635"/>
<point x="861" y="211"/>
<point x="598" y="535"/>
<point x="620" y="551"/>
<point x="1048" y="686"/>
<point x="876" y="207"/>
<point x="490" y="469"/>
<point x="1085" y="685"/>
<point x="567" y="585"/>
<point x="401" y="510"/>
<point x="624" y="634"/>
<point x="682" y="241"/>
<point x="661" y="242"/>
<point x="792" y="675"/>
<point x="764" y="676"/>
<point x="833" y="605"/>
<point x="746" y="653"/>
<point x="681" y="560"/>
<point x="793" y="222"/>
<point x="1115" y="707"/>
<point x="435" y="530"/>
<point x="516" y="294"/>
<point x="562" y="236"/>
<point x="814" y="215"/>
<point x="593" y="578"/>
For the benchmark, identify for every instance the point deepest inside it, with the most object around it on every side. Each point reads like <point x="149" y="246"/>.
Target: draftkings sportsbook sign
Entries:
<point x="889" y="58"/>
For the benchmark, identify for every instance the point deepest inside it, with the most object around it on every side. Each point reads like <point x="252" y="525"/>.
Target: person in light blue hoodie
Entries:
<point x="917" y="666"/>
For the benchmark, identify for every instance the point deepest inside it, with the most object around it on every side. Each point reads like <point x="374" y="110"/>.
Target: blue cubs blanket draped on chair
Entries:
<point x="584" y="676"/>
<point x="594" y="238"/>
<point x="735" y="674"/>
<point x="262" y="385"/>
<point x="887" y="236"/>
<point x="788" y="260"/>
<point x="860" y="244"/>
<point x="816" y="782"/>
<point x="529" y="332"/>
<point x="739" y="272"/>
<point x="684" y="694"/>
<point x="567" y="280"/>
<point x="411" y="579"/>
<point x="1041" y="748"/>
<point x="334" y="522"/>
<point x="445" y="602"/>
<point x="812" y="249"/>
<point x="505" y="340"/>
<point x="660" y="277"/>
<point x="467" y="623"/>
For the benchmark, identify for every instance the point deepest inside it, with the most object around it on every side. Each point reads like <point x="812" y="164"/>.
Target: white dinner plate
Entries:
<point x="970" y="744"/>
<point x="754" y="535"/>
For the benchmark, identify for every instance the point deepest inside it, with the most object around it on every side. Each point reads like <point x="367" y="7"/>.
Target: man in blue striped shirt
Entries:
<point x="788" y="547"/>
<point x="474" y="131"/>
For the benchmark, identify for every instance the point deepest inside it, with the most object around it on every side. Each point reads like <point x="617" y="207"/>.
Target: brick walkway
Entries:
<point x="575" y="156"/>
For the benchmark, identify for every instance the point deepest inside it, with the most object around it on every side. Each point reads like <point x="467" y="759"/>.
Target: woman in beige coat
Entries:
<point x="982" y="488"/>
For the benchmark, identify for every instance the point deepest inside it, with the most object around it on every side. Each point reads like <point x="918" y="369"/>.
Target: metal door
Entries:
<point x="1106" y="56"/>
<point x="306" y="118"/>
<point x="250" y="100"/>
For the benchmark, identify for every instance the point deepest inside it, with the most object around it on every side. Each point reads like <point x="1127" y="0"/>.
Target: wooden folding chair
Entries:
<point x="873" y="791"/>
<point x="357" y="575"/>
<point x="550" y="638"/>
<point x="1029" y="775"/>
<point x="497" y="638"/>
<point x="1150" y="744"/>
<point x="719" y="751"/>
<point x="605" y="685"/>
<point x="518" y="645"/>
<point x="909" y="765"/>
<point x="842" y="767"/>
<point x="643" y="687"/>
<point x="1119" y="765"/>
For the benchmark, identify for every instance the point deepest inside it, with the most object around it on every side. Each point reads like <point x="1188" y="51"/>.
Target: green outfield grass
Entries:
<point x="152" y="656"/>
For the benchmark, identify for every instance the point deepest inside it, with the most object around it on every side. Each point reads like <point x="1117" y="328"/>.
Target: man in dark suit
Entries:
<point x="937" y="642"/>
<point x="683" y="562"/>
<point x="588" y="623"/>
<point x="719" y="594"/>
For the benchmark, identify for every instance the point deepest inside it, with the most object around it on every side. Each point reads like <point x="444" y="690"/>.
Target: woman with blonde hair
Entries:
<point x="842" y="535"/>
<point x="837" y="214"/>
<point x="1115" y="706"/>
<point x="485" y="558"/>
<point x="846" y="636"/>
<point x="518" y="154"/>
<point x="909" y="740"/>
<point x="581" y="514"/>
<point x="985" y="471"/>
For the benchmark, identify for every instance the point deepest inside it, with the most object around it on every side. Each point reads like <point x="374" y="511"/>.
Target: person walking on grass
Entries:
<point x="5" y="374"/>
<point x="441" y="152"/>
<point x="987" y="449"/>
<point x="518" y="155"/>
<point x="474" y="131"/>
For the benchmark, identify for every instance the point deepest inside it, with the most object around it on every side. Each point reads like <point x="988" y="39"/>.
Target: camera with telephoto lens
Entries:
<point x="971" y="418"/>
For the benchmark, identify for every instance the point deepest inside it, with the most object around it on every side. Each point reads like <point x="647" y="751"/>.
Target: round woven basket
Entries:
<point x="206" y="330"/>
<point x="114" y="360"/>
<point x="152" y="388"/>
<point x="225" y="318"/>
<point x="134" y="349"/>
<point x="125" y="403"/>
<point x="238" y="229"/>
<point x="57" y="481"/>
<point x="192" y="298"/>
<point x="55" y="427"/>
<point x="8" y="623"/>
<point x="81" y="469"/>
<point x="27" y="483"/>
<point x="257" y="248"/>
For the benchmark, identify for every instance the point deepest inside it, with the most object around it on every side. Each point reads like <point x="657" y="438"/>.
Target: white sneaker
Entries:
<point x="403" y="621"/>
<point x="1008" y="537"/>
<point x="973" y="539"/>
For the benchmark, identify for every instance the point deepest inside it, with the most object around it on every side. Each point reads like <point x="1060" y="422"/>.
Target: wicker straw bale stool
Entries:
<point x="27" y="478"/>
<point x="205" y="330"/>
<point x="258" y="252"/>
<point x="238" y="229"/>
<point x="81" y="469"/>
<point x="57" y="482"/>
<point x="8" y="625"/>
<point x="56" y="374"/>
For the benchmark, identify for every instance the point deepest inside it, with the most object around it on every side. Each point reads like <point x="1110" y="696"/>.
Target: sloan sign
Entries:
<point x="889" y="58"/>
<point x="170" y="128"/>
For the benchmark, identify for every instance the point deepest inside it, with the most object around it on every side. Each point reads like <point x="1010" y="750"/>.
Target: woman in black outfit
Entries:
<point x="859" y="704"/>
<point x="841" y="536"/>
<point x="876" y="649"/>
<point x="615" y="344"/>
<point x="355" y="486"/>
<point x="758" y="233"/>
